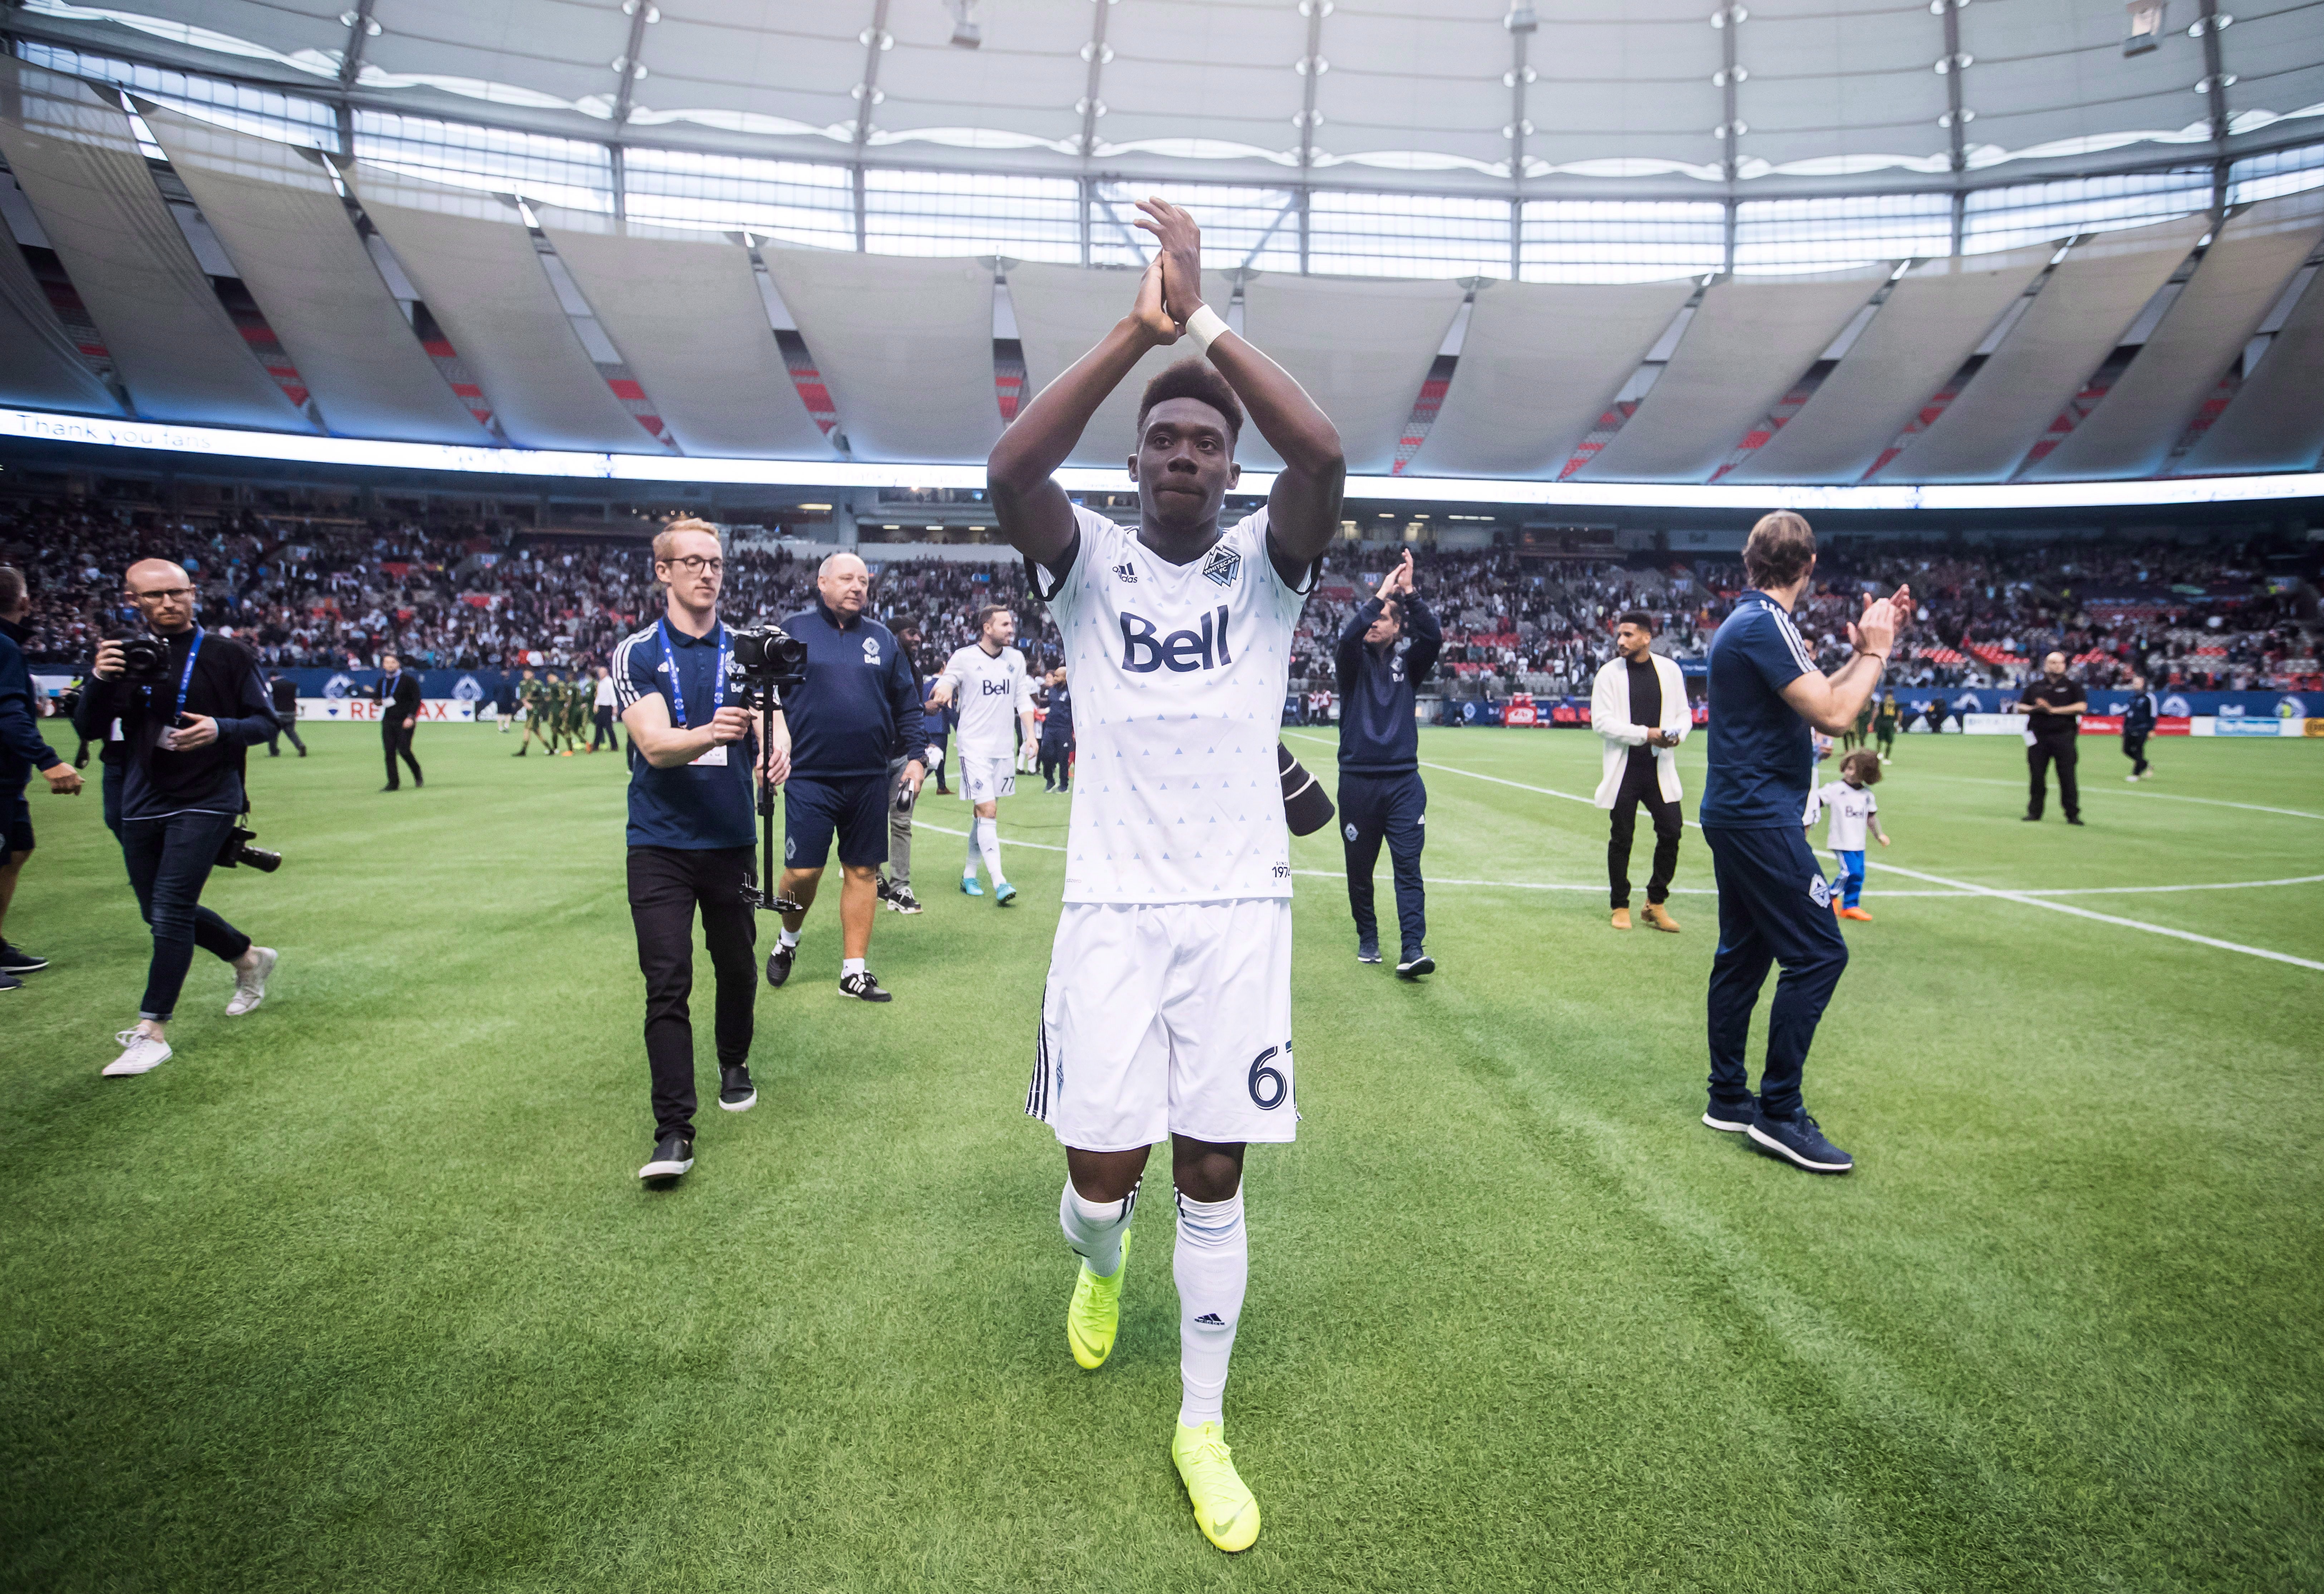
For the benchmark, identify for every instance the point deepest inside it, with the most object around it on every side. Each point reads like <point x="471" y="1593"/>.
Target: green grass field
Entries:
<point x="360" y="1292"/>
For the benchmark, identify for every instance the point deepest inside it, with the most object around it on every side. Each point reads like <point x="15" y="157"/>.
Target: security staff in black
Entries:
<point x="1380" y="791"/>
<point x="691" y="830"/>
<point x="399" y="714"/>
<point x="284" y="693"/>
<point x="2138" y="718"/>
<point x="1058" y="734"/>
<point x="2053" y="707"/>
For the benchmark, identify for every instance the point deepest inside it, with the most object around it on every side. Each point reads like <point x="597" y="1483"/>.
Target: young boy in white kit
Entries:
<point x="1850" y="803"/>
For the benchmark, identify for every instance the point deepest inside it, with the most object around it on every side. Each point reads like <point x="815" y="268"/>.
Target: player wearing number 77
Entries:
<point x="1167" y="1011"/>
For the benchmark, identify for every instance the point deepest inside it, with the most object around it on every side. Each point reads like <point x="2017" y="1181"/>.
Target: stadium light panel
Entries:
<point x="285" y="448"/>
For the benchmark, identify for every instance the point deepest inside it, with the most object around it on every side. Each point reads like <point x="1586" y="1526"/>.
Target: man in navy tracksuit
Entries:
<point x="860" y="701"/>
<point x="2138" y="717"/>
<point x="1775" y="906"/>
<point x="1380" y="791"/>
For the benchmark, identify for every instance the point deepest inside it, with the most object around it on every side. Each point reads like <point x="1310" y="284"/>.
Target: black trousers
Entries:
<point x="667" y="885"/>
<point x="1394" y="809"/>
<point x="1057" y="761"/>
<point x="1640" y="783"/>
<point x="170" y="860"/>
<point x="395" y="738"/>
<point x="2046" y="750"/>
<point x="1774" y="907"/>
<point x="2134" y="748"/>
<point x="604" y="736"/>
<point x="285" y="725"/>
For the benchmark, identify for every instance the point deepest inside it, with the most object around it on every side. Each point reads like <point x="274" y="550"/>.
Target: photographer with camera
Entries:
<point x="190" y="704"/>
<point x="691" y="833"/>
<point x="23" y="750"/>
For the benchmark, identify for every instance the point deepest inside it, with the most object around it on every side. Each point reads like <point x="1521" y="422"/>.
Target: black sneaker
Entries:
<point x="1736" y="1117"/>
<point x="1368" y="951"/>
<point x="865" y="986"/>
<point x="736" y="1094"/>
<point x="1414" y="967"/>
<point x="9" y="982"/>
<point x="15" y="959"/>
<point x="903" y="901"/>
<point x="1798" y="1141"/>
<point x="779" y="963"/>
<point x="673" y="1154"/>
<point x="886" y="890"/>
<point x="2073" y="818"/>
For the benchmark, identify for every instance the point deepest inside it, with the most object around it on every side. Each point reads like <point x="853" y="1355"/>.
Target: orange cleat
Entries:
<point x="1856" y="914"/>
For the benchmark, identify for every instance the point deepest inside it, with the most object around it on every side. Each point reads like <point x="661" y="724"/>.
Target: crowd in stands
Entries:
<point x="335" y="594"/>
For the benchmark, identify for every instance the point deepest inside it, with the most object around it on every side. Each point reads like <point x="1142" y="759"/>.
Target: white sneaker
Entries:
<point x="141" y="1053"/>
<point x="250" y="990"/>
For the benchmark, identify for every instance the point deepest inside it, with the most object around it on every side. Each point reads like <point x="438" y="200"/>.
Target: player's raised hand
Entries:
<point x="1875" y="630"/>
<point x="1180" y="255"/>
<point x="1152" y="318"/>
<point x="1398" y="582"/>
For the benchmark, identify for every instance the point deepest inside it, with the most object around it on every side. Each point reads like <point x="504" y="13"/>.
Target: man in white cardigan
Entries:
<point x="1638" y="704"/>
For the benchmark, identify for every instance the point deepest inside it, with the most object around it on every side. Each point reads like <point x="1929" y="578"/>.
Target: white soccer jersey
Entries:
<point x="991" y="690"/>
<point x="1852" y="809"/>
<point x="1178" y="674"/>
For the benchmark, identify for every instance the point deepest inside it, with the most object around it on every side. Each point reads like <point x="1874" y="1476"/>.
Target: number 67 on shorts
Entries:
<point x="1167" y="1018"/>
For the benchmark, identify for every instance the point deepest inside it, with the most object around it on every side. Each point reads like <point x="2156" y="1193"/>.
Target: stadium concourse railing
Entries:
<point x="2105" y="367"/>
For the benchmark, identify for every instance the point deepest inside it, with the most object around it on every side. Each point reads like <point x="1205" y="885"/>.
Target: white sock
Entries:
<point x="1213" y="1267"/>
<point x="1094" y="1228"/>
<point x="848" y="966"/>
<point x="988" y="842"/>
<point x="968" y="869"/>
<point x="790" y="938"/>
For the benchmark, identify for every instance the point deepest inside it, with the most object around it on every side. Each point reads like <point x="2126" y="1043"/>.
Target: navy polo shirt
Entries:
<point x="1759" y="753"/>
<point x="693" y="807"/>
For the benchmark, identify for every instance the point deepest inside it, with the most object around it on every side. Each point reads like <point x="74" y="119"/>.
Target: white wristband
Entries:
<point x="1206" y="327"/>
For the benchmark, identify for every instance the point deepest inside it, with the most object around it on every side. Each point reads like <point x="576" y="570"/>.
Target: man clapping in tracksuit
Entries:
<point x="1380" y="790"/>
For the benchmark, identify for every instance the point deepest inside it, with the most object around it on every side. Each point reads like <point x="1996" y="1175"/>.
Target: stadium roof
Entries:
<point x="1447" y="95"/>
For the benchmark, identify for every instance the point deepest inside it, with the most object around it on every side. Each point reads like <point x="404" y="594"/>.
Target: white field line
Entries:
<point x="2100" y="791"/>
<point x="2015" y="896"/>
<point x="1958" y="891"/>
<point x="2058" y="907"/>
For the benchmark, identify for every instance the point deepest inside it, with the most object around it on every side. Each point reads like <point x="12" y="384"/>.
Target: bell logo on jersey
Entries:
<point x="995" y="688"/>
<point x="1143" y="652"/>
<point x="871" y="650"/>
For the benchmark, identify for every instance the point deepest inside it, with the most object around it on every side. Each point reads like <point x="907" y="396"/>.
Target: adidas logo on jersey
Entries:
<point x="1143" y="652"/>
<point x="1127" y="572"/>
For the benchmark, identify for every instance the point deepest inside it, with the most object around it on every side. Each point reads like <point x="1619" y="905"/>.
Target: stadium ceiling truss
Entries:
<point x="1833" y="251"/>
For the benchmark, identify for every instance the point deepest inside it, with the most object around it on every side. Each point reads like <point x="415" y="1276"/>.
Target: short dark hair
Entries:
<point x="1863" y="763"/>
<point x="986" y="612"/>
<point x="1195" y="380"/>
<point x="11" y="587"/>
<point x="1638" y="617"/>
<point x="1778" y="550"/>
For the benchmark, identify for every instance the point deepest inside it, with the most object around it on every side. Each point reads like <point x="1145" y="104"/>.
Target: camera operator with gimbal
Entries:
<point x="189" y="704"/>
<point x="691" y="833"/>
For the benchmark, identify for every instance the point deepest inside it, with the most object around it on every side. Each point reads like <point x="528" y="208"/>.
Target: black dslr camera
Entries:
<point x="238" y="851"/>
<point x="144" y="660"/>
<point x="767" y="660"/>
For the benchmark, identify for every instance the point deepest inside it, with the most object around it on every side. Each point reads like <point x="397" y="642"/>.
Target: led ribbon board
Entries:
<point x="226" y="443"/>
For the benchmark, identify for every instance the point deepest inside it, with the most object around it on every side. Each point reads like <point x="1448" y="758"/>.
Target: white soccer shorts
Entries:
<point x="1167" y="1018"/>
<point x="987" y="780"/>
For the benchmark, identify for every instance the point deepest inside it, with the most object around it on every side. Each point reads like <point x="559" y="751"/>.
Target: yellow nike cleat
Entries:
<point x="1224" y="1509"/>
<point x="1094" y="1313"/>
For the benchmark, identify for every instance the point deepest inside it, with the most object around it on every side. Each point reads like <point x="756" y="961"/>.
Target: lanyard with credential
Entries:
<point x="676" y="691"/>
<point x="186" y="681"/>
